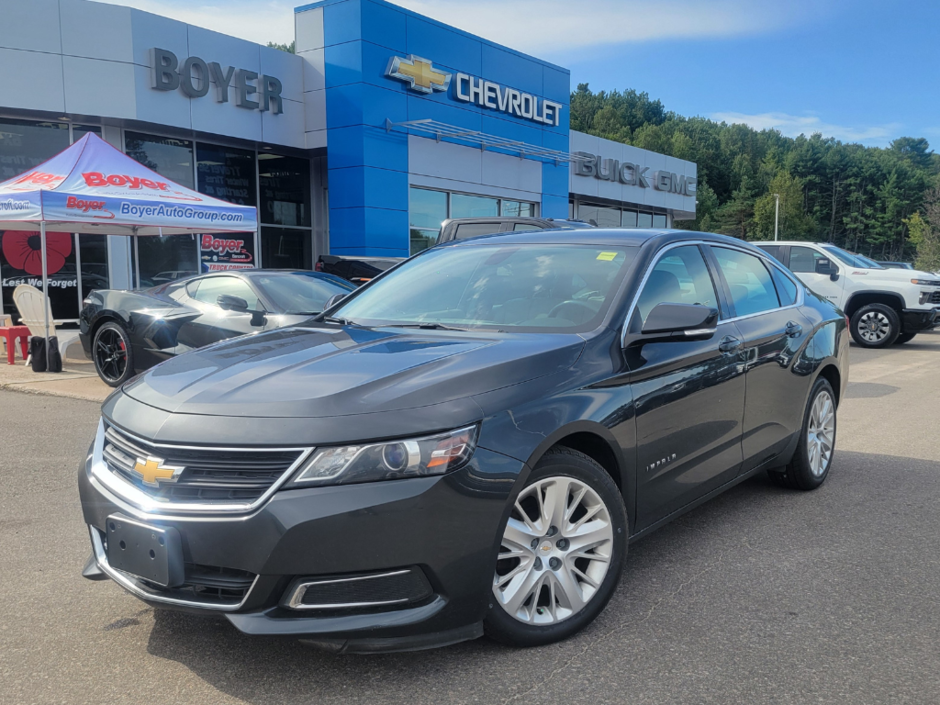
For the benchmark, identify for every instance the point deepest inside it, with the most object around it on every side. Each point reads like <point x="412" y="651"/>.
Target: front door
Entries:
<point x="689" y="395"/>
<point x="803" y="264"/>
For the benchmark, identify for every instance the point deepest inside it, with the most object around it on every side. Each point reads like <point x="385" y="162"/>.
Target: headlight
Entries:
<point x="926" y="282"/>
<point x="413" y="457"/>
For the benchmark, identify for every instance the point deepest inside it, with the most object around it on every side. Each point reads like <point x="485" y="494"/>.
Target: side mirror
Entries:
<point x="258" y="319"/>
<point x="333" y="300"/>
<point x="228" y="302"/>
<point x="826" y="266"/>
<point x="680" y="322"/>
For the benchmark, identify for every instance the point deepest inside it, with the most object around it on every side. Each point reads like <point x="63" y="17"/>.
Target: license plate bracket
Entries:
<point x="153" y="553"/>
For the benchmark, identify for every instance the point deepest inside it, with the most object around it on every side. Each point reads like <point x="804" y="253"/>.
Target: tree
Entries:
<point x="795" y="224"/>
<point x="289" y="48"/>
<point x="925" y="233"/>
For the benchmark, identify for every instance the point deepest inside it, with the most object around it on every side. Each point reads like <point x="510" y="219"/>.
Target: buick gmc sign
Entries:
<point x="630" y="174"/>
<point x="194" y="77"/>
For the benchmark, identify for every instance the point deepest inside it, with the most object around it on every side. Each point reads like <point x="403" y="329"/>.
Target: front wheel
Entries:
<point x="813" y="457"/>
<point x="561" y="552"/>
<point x="111" y="351"/>
<point x="875" y="326"/>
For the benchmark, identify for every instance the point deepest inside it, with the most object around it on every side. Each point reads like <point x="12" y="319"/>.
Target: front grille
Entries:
<point x="209" y="475"/>
<point x="211" y="585"/>
<point x="934" y="297"/>
<point x="391" y="588"/>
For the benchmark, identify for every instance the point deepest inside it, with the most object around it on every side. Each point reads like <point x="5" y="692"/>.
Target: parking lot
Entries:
<point x="761" y="596"/>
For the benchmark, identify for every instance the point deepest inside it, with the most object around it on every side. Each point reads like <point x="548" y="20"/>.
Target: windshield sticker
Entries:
<point x="607" y="256"/>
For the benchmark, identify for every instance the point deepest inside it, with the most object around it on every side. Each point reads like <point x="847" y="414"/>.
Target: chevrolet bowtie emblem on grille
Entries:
<point x="152" y="471"/>
<point x="418" y="73"/>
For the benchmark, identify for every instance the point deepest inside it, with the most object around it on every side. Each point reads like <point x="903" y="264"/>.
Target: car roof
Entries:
<point x="632" y="237"/>
<point x="765" y="243"/>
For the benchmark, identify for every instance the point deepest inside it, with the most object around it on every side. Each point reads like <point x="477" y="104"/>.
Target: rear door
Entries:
<point x="765" y="303"/>
<point x="689" y="395"/>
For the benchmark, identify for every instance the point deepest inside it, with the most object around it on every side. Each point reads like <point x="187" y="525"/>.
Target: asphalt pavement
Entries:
<point x="762" y="596"/>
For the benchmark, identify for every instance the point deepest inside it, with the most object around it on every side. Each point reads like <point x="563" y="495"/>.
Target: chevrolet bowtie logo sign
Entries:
<point x="418" y="73"/>
<point x="152" y="471"/>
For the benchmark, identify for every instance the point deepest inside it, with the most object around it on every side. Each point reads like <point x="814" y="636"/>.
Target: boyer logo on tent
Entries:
<point x="97" y="208"/>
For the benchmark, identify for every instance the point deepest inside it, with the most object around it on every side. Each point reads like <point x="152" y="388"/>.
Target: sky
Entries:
<point x="864" y="71"/>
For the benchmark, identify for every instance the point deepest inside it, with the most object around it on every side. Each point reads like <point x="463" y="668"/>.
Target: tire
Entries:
<point x="904" y="338"/>
<point x="557" y="587"/>
<point x="810" y="465"/>
<point x="875" y="326"/>
<point x="112" y="354"/>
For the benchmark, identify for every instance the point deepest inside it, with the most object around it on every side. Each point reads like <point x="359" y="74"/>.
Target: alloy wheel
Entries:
<point x="111" y="354"/>
<point x="874" y="326"/>
<point x="555" y="552"/>
<point x="820" y="435"/>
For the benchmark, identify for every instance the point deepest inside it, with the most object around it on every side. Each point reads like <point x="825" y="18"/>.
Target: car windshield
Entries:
<point x="300" y="293"/>
<point x="523" y="287"/>
<point x="851" y="260"/>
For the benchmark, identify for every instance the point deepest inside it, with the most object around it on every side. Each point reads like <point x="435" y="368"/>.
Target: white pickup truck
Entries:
<point x="885" y="306"/>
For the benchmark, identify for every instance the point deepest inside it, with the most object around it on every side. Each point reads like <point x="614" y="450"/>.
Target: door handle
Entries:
<point x="794" y="330"/>
<point x="729" y="344"/>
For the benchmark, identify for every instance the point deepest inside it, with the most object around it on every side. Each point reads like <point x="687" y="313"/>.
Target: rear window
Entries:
<point x="465" y="230"/>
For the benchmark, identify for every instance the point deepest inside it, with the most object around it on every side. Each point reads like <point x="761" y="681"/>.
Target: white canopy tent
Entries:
<point x="91" y="187"/>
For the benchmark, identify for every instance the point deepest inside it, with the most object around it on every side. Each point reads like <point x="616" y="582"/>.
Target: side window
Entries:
<point x="679" y="277"/>
<point x="473" y="229"/>
<point x="209" y="290"/>
<point x="752" y="289"/>
<point x="786" y="287"/>
<point x="525" y="226"/>
<point x="803" y="259"/>
<point x="772" y="250"/>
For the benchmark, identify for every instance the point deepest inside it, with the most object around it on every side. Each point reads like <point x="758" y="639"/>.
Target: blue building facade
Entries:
<point x="384" y="69"/>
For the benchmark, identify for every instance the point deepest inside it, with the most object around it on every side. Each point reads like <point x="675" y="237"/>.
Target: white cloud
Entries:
<point x="540" y="27"/>
<point x="543" y="26"/>
<point x="260" y="21"/>
<point x="795" y="125"/>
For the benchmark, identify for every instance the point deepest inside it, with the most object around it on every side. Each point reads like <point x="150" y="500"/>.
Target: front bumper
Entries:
<point x="447" y="527"/>
<point x="919" y="320"/>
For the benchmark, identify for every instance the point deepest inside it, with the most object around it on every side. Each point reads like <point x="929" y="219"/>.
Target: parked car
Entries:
<point x="896" y="265"/>
<point x="125" y="332"/>
<point x="362" y="269"/>
<point x="467" y="444"/>
<point x="885" y="306"/>
<point x="357" y="270"/>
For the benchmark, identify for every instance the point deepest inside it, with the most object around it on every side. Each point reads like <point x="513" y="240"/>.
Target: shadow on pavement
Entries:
<point x="754" y="589"/>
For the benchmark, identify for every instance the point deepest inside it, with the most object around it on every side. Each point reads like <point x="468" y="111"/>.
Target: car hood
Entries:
<point x="893" y="276"/>
<point x="329" y="371"/>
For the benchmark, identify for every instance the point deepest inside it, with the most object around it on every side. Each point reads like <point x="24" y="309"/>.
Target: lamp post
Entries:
<point x="776" y="215"/>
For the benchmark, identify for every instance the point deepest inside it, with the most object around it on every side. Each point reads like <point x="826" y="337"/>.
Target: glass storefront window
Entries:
<point x="659" y="221"/>
<point x="24" y="145"/>
<point x="518" y="209"/>
<point x="79" y="131"/>
<point x="165" y="259"/>
<point x="464" y="206"/>
<point x="427" y="210"/>
<point x="283" y="248"/>
<point x="93" y="258"/>
<point x="644" y="220"/>
<point x="629" y="219"/>
<point x="601" y="216"/>
<point x="168" y="157"/>
<point x="228" y="174"/>
<point x="285" y="190"/>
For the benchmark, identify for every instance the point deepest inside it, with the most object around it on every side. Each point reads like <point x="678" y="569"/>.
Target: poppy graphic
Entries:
<point x="23" y="250"/>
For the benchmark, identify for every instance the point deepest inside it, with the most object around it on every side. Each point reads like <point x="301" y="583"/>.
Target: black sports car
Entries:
<point x="128" y="331"/>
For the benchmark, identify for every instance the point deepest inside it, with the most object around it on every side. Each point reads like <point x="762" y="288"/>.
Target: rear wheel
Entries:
<point x="875" y="326"/>
<point x="904" y="338"/>
<point x="813" y="458"/>
<point x="561" y="552"/>
<point x="111" y="350"/>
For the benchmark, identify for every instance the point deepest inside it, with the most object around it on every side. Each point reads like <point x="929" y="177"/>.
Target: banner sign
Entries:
<point x="219" y="253"/>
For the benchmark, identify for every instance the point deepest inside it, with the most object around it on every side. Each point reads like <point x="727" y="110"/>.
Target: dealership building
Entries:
<point x="383" y="124"/>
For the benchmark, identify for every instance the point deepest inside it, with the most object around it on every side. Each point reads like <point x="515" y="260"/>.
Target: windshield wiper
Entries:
<point x="427" y="326"/>
<point x="337" y="319"/>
